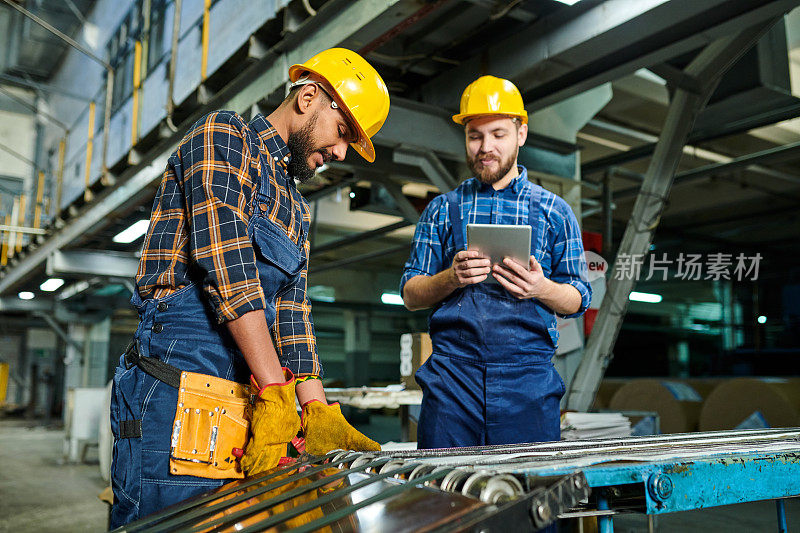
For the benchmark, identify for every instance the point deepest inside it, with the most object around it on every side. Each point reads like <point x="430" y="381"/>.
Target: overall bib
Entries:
<point x="490" y="379"/>
<point x="181" y="330"/>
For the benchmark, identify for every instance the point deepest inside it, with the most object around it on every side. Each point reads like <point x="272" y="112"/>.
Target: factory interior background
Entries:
<point x="96" y="94"/>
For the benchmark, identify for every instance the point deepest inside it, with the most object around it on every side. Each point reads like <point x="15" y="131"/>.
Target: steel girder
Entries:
<point x="565" y="54"/>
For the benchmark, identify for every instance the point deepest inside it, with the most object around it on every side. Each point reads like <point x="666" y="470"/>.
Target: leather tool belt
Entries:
<point x="211" y="418"/>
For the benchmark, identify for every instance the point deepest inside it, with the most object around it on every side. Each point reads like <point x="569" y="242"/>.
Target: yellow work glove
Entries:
<point x="273" y="424"/>
<point x="326" y="429"/>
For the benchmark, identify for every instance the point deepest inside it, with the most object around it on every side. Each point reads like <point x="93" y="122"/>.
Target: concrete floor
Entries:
<point x="38" y="492"/>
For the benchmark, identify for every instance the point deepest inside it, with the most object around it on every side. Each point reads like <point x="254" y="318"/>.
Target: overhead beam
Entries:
<point x="429" y="163"/>
<point x="753" y="161"/>
<point x="359" y="237"/>
<point x="84" y="263"/>
<point x="574" y="50"/>
<point x="331" y="27"/>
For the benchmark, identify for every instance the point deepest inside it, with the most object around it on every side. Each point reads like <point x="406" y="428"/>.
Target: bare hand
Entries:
<point x="469" y="267"/>
<point x="522" y="282"/>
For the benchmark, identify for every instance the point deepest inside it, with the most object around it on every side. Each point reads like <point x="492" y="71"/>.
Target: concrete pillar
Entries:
<point x="356" y="347"/>
<point x="41" y="346"/>
<point x="95" y="368"/>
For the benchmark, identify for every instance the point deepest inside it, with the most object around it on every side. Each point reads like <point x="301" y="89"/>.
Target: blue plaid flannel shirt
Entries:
<point x="559" y="248"/>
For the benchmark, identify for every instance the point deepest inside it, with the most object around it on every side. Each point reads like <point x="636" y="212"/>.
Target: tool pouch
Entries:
<point x="210" y="421"/>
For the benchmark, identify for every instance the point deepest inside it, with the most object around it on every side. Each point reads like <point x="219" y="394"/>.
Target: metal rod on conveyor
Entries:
<point x="148" y="522"/>
<point x="331" y="496"/>
<point x="275" y="500"/>
<point x="560" y="446"/>
<point x="341" y="513"/>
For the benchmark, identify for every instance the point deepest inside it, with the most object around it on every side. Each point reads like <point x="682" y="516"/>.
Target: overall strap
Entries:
<point x="534" y="209"/>
<point x="456" y="224"/>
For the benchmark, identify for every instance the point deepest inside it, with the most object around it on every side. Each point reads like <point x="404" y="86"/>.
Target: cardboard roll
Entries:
<point x="608" y="387"/>
<point x="752" y="403"/>
<point x="677" y="403"/>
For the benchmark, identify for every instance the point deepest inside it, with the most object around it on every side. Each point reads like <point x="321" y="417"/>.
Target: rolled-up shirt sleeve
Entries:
<point x="293" y="332"/>
<point x="568" y="260"/>
<point x="428" y="256"/>
<point x="217" y="186"/>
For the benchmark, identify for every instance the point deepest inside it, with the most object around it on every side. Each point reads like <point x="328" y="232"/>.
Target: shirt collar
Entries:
<point x="516" y="185"/>
<point x="276" y="146"/>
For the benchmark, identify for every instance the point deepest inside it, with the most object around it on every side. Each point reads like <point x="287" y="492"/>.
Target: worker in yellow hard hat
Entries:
<point x="490" y="379"/>
<point x="206" y="390"/>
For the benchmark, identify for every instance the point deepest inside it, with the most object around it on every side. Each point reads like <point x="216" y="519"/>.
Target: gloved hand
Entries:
<point x="326" y="429"/>
<point x="273" y="424"/>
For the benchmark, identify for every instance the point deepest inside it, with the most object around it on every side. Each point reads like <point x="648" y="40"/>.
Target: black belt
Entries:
<point x="132" y="429"/>
<point x="152" y="366"/>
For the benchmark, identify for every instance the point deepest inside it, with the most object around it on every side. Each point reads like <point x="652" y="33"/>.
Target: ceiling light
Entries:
<point x="762" y="319"/>
<point x="391" y="298"/>
<point x="568" y="2"/>
<point x="646" y="297"/>
<point x="136" y="230"/>
<point x="52" y="284"/>
<point x="25" y="295"/>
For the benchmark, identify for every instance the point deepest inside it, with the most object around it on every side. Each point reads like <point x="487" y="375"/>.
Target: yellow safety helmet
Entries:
<point x="360" y="90"/>
<point x="489" y="95"/>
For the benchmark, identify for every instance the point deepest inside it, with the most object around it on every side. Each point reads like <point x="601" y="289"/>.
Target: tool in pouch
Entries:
<point x="211" y="418"/>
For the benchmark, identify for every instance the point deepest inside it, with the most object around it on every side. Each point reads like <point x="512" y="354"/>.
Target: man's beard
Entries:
<point x="482" y="172"/>
<point x="301" y="147"/>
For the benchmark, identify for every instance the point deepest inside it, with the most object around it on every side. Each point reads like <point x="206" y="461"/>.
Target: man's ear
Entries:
<point x="522" y="134"/>
<point x="305" y="98"/>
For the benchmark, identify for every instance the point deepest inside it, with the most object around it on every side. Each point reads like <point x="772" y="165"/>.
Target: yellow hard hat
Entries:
<point x="359" y="88"/>
<point x="491" y="96"/>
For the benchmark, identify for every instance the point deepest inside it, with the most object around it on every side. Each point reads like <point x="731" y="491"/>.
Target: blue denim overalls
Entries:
<point x="181" y="330"/>
<point x="490" y="379"/>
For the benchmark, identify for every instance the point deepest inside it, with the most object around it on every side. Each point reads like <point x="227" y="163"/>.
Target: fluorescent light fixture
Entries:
<point x="76" y="288"/>
<point x="391" y="298"/>
<point x="25" y="295"/>
<point x="568" y="2"/>
<point x="762" y="319"/>
<point x="52" y="284"/>
<point x="136" y="230"/>
<point x="646" y="297"/>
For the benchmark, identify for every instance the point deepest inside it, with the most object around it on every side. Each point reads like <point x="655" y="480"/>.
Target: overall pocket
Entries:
<point x="279" y="260"/>
<point x="210" y="421"/>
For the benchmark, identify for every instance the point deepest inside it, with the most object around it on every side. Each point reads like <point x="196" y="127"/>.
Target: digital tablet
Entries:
<point x="499" y="241"/>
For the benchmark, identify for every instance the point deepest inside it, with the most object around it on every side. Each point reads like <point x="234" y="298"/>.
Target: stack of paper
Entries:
<point x="575" y="426"/>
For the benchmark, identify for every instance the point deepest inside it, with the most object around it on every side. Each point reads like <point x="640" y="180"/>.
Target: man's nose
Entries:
<point x="339" y="150"/>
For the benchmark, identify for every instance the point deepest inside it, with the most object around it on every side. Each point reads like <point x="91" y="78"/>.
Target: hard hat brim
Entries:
<point x="461" y="118"/>
<point x="363" y="144"/>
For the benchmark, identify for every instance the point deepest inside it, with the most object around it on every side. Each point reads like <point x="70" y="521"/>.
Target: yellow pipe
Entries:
<point x="137" y="83"/>
<point x="87" y="194"/>
<point x="12" y="235"/>
<point x="62" y="150"/>
<point x="37" y="214"/>
<point x="20" y="222"/>
<point x="6" y="237"/>
<point x="206" y="19"/>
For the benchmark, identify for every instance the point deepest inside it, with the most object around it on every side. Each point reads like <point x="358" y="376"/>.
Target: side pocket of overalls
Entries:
<point x="127" y="452"/>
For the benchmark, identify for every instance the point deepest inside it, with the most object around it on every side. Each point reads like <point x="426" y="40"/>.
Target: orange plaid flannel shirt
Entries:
<point x="199" y="228"/>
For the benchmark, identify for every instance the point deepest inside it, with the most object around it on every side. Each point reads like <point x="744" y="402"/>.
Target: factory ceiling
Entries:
<point x="428" y="51"/>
